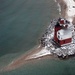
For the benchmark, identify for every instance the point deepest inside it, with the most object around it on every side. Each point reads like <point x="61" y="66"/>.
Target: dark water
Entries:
<point x="21" y="24"/>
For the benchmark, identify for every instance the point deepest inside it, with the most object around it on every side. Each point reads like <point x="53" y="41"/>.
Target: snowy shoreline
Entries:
<point x="70" y="12"/>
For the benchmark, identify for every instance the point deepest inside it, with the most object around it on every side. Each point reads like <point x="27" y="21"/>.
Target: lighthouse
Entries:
<point x="62" y="33"/>
<point x="59" y="38"/>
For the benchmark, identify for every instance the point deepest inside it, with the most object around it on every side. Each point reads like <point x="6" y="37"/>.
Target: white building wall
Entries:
<point x="64" y="34"/>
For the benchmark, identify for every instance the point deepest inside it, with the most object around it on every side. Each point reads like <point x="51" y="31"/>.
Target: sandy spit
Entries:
<point x="23" y="59"/>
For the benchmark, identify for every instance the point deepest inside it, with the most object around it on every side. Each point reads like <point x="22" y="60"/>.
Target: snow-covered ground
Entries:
<point x="70" y="13"/>
<point x="59" y="8"/>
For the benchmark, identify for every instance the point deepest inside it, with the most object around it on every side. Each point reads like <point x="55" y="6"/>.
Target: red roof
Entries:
<point x="61" y="22"/>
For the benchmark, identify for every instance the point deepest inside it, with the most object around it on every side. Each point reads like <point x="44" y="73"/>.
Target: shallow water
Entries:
<point x="46" y="67"/>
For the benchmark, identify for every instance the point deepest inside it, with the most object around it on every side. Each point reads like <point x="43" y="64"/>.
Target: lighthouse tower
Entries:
<point x="62" y="33"/>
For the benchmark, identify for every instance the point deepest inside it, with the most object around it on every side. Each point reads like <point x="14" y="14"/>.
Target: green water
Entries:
<point x="46" y="67"/>
<point x="21" y="25"/>
<point x="22" y="22"/>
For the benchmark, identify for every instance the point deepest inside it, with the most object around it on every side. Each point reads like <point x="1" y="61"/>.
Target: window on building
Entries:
<point x="59" y="37"/>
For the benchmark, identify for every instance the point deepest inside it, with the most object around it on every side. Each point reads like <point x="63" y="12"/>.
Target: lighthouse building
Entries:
<point x="62" y="33"/>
